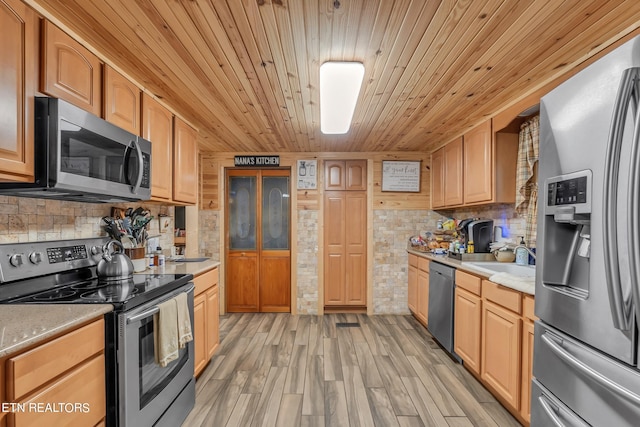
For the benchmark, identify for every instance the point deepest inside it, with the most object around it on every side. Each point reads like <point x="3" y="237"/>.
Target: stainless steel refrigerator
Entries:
<point x="587" y="283"/>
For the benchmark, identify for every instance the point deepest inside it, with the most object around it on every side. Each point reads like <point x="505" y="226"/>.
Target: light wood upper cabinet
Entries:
<point x="453" y="173"/>
<point x="345" y="175"/>
<point x="18" y="29"/>
<point x="334" y="174"/>
<point x="157" y="127"/>
<point x="437" y="179"/>
<point x="489" y="165"/>
<point x="478" y="164"/>
<point x="185" y="163"/>
<point x="121" y="101"/>
<point x="356" y="178"/>
<point x="70" y="71"/>
<point x="446" y="175"/>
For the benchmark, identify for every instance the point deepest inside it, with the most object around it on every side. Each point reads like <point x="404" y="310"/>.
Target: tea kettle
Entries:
<point x="114" y="265"/>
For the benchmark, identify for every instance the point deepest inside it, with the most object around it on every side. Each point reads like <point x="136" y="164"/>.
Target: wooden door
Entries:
<point x="18" y="27"/>
<point x="258" y="241"/>
<point x="478" y="164"/>
<point x="70" y="71"/>
<point x="467" y="331"/>
<point x="356" y="248"/>
<point x="185" y="163"/>
<point x="453" y="173"/>
<point x="275" y="251"/>
<point x="157" y="127"/>
<point x="345" y="269"/>
<point x="501" y="347"/>
<point x="334" y="244"/>
<point x="121" y="101"/>
<point x="437" y="179"/>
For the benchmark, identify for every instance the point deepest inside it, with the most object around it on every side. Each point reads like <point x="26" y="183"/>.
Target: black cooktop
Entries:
<point x="122" y="294"/>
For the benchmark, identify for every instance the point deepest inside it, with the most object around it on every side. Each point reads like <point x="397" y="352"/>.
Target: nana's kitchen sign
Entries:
<point x="256" y="161"/>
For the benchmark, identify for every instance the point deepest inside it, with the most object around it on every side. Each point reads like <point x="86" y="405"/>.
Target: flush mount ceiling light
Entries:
<point x="339" y="88"/>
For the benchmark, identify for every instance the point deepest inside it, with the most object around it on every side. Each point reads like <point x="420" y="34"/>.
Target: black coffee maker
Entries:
<point x="479" y="231"/>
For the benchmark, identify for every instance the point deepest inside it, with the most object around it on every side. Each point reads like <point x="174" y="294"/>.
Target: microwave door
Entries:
<point x="90" y="162"/>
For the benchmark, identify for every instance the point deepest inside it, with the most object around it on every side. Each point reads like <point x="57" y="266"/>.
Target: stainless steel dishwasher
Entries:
<point x="441" y="301"/>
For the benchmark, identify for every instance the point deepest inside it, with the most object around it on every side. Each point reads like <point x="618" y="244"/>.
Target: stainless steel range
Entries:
<point x="139" y="391"/>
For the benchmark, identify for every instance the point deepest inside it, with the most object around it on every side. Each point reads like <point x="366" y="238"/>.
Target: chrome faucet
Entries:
<point x="533" y="254"/>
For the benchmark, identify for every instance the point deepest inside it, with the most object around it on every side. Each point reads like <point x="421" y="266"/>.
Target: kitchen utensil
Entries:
<point x="114" y="265"/>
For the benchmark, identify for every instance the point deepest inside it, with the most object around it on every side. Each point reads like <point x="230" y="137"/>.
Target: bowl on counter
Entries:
<point x="504" y="256"/>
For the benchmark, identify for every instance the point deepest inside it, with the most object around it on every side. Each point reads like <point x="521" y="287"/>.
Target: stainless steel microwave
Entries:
<point x="81" y="157"/>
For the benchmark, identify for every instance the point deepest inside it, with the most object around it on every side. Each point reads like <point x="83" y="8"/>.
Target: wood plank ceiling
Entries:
<point x="246" y="72"/>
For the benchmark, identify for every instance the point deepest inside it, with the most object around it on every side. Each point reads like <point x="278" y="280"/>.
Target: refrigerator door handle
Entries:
<point x="551" y="413"/>
<point x="619" y="307"/>
<point x="634" y="215"/>
<point x="588" y="371"/>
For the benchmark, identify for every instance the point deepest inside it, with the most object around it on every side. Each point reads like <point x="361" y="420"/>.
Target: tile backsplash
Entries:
<point x="26" y="220"/>
<point x="502" y="215"/>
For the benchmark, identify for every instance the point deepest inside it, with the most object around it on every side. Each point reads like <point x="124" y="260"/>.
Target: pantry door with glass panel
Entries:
<point x="258" y="258"/>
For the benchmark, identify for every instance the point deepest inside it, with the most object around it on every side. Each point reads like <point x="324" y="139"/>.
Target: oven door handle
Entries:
<point x="153" y="310"/>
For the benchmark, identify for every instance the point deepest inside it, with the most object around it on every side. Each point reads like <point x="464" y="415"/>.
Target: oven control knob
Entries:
<point x="35" y="257"/>
<point x="95" y="250"/>
<point x="16" y="260"/>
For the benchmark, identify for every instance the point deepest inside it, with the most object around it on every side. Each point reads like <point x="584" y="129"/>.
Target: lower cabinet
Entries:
<point x="501" y="347"/>
<point x="68" y="371"/>
<point x="418" y="287"/>
<point x="466" y="332"/>
<point x="493" y="335"/>
<point x="422" y="309"/>
<point x="412" y="290"/>
<point x="206" y="318"/>
<point x="527" y="356"/>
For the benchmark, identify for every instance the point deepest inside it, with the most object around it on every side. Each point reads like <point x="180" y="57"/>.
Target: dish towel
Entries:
<point x="526" y="177"/>
<point x="184" y="320"/>
<point x="165" y="333"/>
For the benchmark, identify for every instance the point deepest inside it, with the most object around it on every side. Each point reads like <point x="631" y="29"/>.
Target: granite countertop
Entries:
<point x="176" y="267"/>
<point x="522" y="284"/>
<point x="23" y="325"/>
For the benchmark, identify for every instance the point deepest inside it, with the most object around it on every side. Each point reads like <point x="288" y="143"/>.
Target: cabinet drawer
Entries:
<point x="206" y="280"/>
<point x="423" y="264"/>
<point x="508" y="298"/>
<point x="83" y="386"/>
<point x="413" y="260"/>
<point x="469" y="282"/>
<point x="527" y="306"/>
<point x="36" y="367"/>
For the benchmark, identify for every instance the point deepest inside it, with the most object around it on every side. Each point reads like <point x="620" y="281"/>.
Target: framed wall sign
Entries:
<point x="401" y="176"/>
<point x="307" y="174"/>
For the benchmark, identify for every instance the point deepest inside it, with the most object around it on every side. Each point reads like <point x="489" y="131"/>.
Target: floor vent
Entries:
<point x="347" y="325"/>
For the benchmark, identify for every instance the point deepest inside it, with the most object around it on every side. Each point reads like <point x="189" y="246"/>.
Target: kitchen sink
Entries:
<point x="505" y="267"/>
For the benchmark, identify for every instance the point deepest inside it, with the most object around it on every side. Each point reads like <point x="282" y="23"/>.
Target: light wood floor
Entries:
<point x="283" y="370"/>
